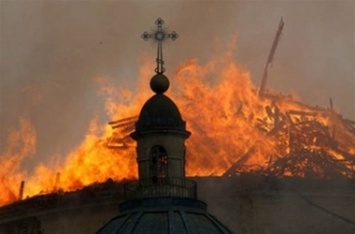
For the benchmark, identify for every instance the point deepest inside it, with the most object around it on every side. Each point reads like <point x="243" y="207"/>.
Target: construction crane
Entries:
<point x="270" y="58"/>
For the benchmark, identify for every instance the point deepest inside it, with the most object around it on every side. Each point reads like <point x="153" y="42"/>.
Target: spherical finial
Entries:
<point x="159" y="83"/>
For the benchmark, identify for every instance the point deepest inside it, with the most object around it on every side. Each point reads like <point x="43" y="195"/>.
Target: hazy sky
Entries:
<point x="50" y="52"/>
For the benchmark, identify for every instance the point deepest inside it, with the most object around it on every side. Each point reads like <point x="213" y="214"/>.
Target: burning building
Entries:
<point x="264" y="163"/>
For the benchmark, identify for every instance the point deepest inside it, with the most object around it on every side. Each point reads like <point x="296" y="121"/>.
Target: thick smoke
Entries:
<point x="51" y="52"/>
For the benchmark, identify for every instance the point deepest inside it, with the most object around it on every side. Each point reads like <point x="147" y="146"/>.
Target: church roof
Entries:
<point x="164" y="215"/>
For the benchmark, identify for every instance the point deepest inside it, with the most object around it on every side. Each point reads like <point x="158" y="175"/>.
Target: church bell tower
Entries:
<point x="160" y="132"/>
<point x="162" y="200"/>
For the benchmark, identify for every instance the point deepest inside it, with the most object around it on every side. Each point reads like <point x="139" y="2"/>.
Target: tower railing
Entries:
<point x="167" y="187"/>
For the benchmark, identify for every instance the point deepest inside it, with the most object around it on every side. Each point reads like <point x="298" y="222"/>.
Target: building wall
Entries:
<point x="83" y="211"/>
<point x="259" y="206"/>
<point x="250" y="205"/>
<point x="85" y="219"/>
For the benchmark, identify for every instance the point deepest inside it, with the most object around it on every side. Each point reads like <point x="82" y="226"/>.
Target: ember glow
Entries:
<point x="233" y="131"/>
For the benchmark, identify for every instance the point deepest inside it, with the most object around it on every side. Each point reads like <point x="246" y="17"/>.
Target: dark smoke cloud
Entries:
<point x="50" y="52"/>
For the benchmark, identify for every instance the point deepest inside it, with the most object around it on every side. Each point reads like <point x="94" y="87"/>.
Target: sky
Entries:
<point x="51" y="51"/>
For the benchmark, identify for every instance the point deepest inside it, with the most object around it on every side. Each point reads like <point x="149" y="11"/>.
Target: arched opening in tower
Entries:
<point x="159" y="164"/>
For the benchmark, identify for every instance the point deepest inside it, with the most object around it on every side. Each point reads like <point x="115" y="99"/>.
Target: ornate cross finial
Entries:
<point x="159" y="35"/>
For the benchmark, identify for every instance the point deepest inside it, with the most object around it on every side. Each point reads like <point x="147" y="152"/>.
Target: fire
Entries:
<point x="233" y="131"/>
<point x="21" y="145"/>
<point x="226" y="93"/>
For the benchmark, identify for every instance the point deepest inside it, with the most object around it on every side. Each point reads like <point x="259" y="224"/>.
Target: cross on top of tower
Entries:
<point x="159" y="35"/>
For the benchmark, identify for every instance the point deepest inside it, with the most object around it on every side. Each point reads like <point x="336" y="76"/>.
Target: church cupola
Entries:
<point x="162" y="200"/>
<point x="160" y="133"/>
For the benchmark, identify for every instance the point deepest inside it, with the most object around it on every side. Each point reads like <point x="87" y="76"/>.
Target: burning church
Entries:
<point x="271" y="164"/>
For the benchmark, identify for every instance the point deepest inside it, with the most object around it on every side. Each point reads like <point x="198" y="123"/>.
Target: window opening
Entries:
<point x="159" y="166"/>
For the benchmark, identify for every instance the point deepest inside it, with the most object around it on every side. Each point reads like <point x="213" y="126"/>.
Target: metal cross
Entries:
<point x="159" y="35"/>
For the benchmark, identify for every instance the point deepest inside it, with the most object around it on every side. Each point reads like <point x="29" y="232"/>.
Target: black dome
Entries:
<point x="160" y="112"/>
<point x="164" y="216"/>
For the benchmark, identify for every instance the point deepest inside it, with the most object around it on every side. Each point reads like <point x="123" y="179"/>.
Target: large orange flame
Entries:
<point x="228" y="121"/>
<point x="21" y="145"/>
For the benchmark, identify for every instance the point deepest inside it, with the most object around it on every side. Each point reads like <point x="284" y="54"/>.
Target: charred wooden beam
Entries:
<point x="132" y="118"/>
<point x="240" y="162"/>
<point x="270" y="57"/>
<point x="22" y="187"/>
